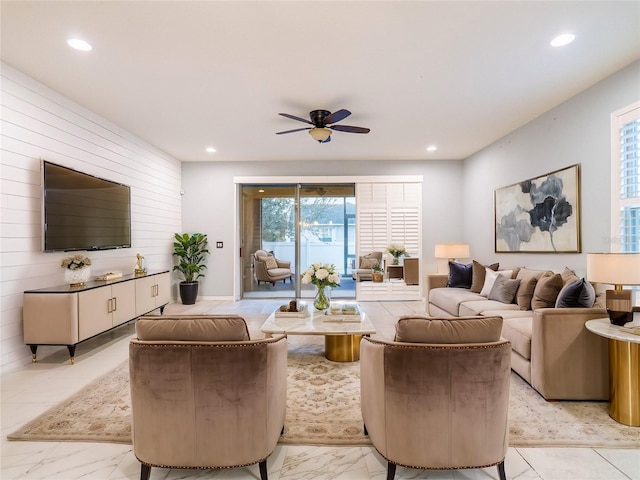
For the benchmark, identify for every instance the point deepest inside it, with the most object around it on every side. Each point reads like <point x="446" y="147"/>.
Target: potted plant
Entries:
<point x="191" y="251"/>
<point x="377" y="275"/>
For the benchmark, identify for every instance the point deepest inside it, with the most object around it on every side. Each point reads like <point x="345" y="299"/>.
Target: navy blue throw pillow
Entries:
<point x="576" y="294"/>
<point x="460" y="275"/>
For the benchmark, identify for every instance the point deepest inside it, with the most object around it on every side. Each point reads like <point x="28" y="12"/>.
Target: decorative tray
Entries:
<point x="303" y="311"/>
<point x="343" y="312"/>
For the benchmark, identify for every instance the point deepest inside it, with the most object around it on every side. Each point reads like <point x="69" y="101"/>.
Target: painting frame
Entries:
<point x="540" y="214"/>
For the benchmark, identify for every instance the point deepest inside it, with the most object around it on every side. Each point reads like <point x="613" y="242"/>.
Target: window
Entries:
<point x="625" y="175"/>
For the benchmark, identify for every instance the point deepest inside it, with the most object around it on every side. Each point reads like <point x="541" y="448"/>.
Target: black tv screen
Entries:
<point x="83" y="212"/>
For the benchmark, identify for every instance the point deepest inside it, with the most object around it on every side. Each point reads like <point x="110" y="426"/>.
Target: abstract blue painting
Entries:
<point x="540" y="215"/>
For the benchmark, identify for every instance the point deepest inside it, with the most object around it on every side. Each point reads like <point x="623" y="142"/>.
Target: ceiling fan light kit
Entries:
<point x="321" y="121"/>
<point x="320" y="134"/>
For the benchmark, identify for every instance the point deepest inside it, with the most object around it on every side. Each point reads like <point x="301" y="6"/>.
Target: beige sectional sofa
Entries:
<point x="551" y="347"/>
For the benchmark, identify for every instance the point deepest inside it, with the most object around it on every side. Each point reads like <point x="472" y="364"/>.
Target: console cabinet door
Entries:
<point x="163" y="290"/>
<point x="123" y="303"/>
<point x="94" y="312"/>
<point x="145" y="295"/>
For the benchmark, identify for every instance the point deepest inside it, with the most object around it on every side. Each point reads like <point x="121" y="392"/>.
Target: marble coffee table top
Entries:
<point x="317" y="323"/>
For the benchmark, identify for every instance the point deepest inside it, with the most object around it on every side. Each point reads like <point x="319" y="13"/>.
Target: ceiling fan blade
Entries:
<point x="294" y="130"/>
<point x="336" y="116"/>
<point x="350" y="129"/>
<point x="293" y="117"/>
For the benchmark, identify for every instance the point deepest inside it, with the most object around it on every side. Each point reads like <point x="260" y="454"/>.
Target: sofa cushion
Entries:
<point x="528" y="280"/>
<point x="193" y="328"/>
<point x="518" y="331"/>
<point x="478" y="273"/>
<point x="423" y="329"/>
<point x="504" y="289"/>
<point x="459" y="275"/>
<point x="546" y="291"/>
<point x="478" y="307"/>
<point x="449" y="299"/>
<point x="579" y="293"/>
<point x="490" y="278"/>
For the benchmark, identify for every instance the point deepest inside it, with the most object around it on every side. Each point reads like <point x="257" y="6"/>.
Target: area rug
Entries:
<point x="323" y="408"/>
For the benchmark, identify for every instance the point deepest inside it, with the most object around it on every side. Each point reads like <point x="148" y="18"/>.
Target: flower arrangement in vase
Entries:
<point x="396" y="252"/>
<point x="322" y="275"/>
<point x="77" y="270"/>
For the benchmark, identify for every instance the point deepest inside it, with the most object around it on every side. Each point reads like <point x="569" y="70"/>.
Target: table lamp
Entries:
<point x="618" y="269"/>
<point x="452" y="251"/>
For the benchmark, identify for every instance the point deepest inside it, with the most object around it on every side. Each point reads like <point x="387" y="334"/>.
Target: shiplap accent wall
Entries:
<point x="39" y="123"/>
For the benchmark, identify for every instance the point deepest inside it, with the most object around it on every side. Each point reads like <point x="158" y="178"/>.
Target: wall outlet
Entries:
<point x="218" y="244"/>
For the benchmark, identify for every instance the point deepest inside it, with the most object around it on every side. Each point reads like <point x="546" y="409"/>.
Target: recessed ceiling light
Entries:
<point x="562" y="40"/>
<point x="431" y="148"/>
<point x="78" y="44"/>
<point x="211" y="150"/>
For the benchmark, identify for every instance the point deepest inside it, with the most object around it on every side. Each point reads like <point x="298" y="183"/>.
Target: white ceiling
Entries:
<point x="185" y="75"/>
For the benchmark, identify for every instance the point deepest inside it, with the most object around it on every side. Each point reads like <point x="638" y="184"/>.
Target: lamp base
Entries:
<point x="619" y="300"/>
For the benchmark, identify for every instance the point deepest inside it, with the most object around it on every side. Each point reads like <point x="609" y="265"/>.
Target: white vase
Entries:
<point x="77" y="277"/>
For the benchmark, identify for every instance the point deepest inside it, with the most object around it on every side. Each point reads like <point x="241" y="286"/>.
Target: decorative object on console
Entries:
<point x="617" y="269"/>
<point x="139" y="268"/>
<point x="77" y="270"/>
<point x="396" y="252"/>
<point x="323" y="276"/>
<point x="377" y="275"/>
<point x="540" y="214"/>
<point x="191" y="251"/>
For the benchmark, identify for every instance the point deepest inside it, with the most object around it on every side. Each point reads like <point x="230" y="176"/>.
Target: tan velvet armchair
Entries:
<point x="437" y="397"/>
<point x="203" y="395"/>
<point x="269" y="269"/>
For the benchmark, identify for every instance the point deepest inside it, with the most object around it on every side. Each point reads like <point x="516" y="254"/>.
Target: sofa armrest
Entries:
<point x="568" y="362"/>
<point x="435" y="280"/>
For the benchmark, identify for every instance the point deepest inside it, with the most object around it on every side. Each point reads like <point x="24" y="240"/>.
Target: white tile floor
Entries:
<point x="29" y="391"/>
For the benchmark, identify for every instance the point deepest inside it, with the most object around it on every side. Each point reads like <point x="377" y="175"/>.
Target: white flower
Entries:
<point x="322" y="273"/>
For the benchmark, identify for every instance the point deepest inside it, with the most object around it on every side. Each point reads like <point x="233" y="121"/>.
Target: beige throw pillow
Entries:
<point x="270" y="262"/>
<point x="546" y="292"/>
<point x="528" y="280"/>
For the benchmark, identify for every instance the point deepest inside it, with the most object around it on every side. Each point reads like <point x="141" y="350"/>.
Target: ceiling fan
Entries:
<point x="322" y="121"/>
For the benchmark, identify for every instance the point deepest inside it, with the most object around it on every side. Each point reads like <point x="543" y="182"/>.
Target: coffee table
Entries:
<point x="341" y="338"/>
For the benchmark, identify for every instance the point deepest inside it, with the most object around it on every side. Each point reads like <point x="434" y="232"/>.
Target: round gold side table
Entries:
<point x="624" y="371"/>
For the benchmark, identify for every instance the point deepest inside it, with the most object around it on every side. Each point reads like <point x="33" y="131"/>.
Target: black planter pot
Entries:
<point x="188" y="292"/>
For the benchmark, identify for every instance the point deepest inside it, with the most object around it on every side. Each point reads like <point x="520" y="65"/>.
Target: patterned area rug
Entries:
<point x="323" y="408"/>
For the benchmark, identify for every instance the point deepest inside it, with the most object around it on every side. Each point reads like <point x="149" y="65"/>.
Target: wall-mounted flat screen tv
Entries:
<point x="83" y="212"/>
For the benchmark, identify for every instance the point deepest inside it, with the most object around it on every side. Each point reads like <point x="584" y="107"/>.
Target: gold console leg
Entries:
<point x="342" y="348"/>
<point x="624" y="382"/>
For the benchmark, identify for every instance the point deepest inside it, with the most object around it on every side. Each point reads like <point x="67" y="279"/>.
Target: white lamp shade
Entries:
<point x="614" y="268"/>
<point x="452" y="250"/>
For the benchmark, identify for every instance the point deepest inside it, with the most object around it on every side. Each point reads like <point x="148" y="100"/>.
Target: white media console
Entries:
<point x="65" y="315"/>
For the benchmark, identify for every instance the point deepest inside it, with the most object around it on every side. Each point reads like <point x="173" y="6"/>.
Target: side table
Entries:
<point x="624" y="371"/>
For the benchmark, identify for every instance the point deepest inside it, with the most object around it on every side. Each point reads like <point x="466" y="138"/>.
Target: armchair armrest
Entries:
<point x="283" y="263"/>
<point x="568" y="362"/>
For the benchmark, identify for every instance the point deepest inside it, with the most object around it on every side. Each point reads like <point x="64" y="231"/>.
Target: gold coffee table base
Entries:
<point x="624" y="382"/>
<point x="342" y="348"/>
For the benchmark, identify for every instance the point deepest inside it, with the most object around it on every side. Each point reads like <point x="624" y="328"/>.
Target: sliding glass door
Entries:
<point x="300" y="224"/>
